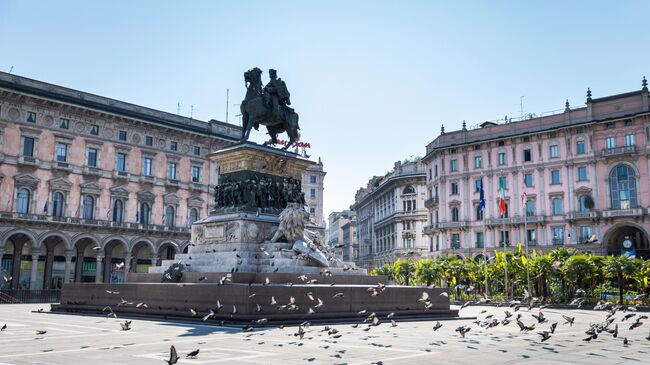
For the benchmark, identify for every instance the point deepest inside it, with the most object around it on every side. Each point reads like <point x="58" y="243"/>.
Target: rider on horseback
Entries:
<point x="276" y="96"/>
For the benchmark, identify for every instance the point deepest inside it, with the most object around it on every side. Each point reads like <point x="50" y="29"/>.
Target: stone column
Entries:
<point x="34" y="273"/>
<point x="78" y="265"/>
<point x="98" y="270"/>
<point x="127" y="266"/>
<point x="68" y="265"/>
<point x="107" y="266"/>
<point x="2" y="253"/>
<point x="154" y="259"/>
<point x="49" y="262"/>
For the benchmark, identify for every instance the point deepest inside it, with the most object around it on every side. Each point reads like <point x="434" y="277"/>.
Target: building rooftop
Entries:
<point x="406" y="168"/>
<point x="20" y="84"/>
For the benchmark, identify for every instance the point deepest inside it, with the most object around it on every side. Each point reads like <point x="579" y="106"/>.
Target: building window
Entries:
<point x="145" y="212"/>
<point x="312" y="179"/>
<point x="557" y="206"/>
<point x="610" y="142"/>
<point x="88" y="207"/>
<point x="120" y="162"/>
<point x="28" y="146"/>
<point x="454" y="188"/>
<point x="479" y="212"/>
<point x="196" y="174"/>
<point x="171" y="171"/>
<point x="526" y="139"/>
<point x="455" y="241"/>
<point x="503" y="182"/>
<point x="57" y="204"/>
<point x="552" y="134"/>
<point x="477" y="185"/>
<point x="629" y="140"/>
<point x="454" y="214"/>
<point x="148" y="140"/>
<point x="146" y="166"/>
<point x="622" y="187"/>
<point x="532" y="237"/>
<point x="580" y="147"/>
<point x="554" y="151"/>
<point x="582" y="173"/>
<point x="582" y="203"/>
<point x="118" y="210"/>
<point x="502" y="158"/>
<point x="22" y="205"/>
<point x="91" y="157"/>
<point x="64" y="123"/>
<point x="197" y="151"/>
<point x="435" y="171"/>
<point x="61" y="152"/>
<point x="94" y="130"/>
<point x="121" y="135"/>
<point x="585" y="234"/>
<point x="527" y="155"/>
<point x="169" y="216"/>
<point x="173" y="145"/>
<point x="194" y="216"/>
<point x="478" y="162"/>
<point x="454" y="165"/>
<point x="312" y="193"/>
<point x="530" y="207"/>
<point x="609" y="125"/>
<point x="528" y="180"/>
<point x="504" y="238"/>
<point x="312" y="210"/>
<point x="480" y="240"/>
<point x="558" y="235"/>
<point x="555" y="177"/>
<point x="31" y="117"/>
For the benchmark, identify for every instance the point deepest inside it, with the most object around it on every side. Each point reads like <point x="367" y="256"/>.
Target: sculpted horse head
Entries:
<point x="253" y="77"/>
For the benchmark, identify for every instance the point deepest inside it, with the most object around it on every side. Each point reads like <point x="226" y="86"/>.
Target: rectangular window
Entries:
<point x="557" y="206"/>
<point x="609" y="125"/>
<point x="629" y="140"/>
<point x="480" y="242"/>
<point x="530" y="207"/>
<point x="61" y="152"/>
<point x="610" y="142"/>
<point x="197" y="151"/>
<point x="582" y="173"/>
<point x="454" y="188"/>
<point x="94" y="130"/>
<point x="552" y="134"/>
<point x="503" y="182"/>
<point x="526" y="139"/>
<point x="478" y="162"/>
<point x="146" y="166"/>
<point x="528" y="180"/>
<point x="91" y="157"/>
<point x="455" y="241"/>
<point x="31" y="117"/>
<point x="454" y="165"/>
<point x="580" y="147"/>
<point x="502" y="158"/>
<point x="196" y="174"/>
<point x="64" y="123"/>
<point x="558" y="235"/>
<point x="28" y="146"/>
<point x="312" y="193"/>
<point x="532" y="237"/>
<point x="121" y="135"/>
<point x="171" y="171"/>
<point x="555" y="177"/>
<point x="477" y="185"/>
<point x="554" y="151"/>
<point x="120" y="162"/>
<point x="312" y="210"/>
<point x="527" y="155"/>
<point x="173" y="146"/>
<point x="585" y="234"/>
<point x="148" y="140"/>
<point x="312" y="179"/>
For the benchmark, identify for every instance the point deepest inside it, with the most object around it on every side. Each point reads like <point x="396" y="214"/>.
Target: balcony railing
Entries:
<point x="635" y="212"/>
<point x="431" y="202"/>
<point x="558" y="242"/>
<point x="576" y="216"/>
<point x="515" y="220"/>
<point x="430" y="228"/>
<point x="617" y="151"/>
<point x="448" y="225"/>
<point x="91" y="170"/>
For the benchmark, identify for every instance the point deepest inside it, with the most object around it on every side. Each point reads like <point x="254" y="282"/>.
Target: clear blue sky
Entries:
<point x="372" y="80"/>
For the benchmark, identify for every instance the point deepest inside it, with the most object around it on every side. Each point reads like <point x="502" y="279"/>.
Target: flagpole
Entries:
<point x="485" y="258"/>
<point x="505" y="256"/>
<point x="530" y="292"/>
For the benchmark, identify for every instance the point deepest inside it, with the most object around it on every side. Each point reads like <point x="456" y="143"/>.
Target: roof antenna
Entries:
<point x="11" y="69"/>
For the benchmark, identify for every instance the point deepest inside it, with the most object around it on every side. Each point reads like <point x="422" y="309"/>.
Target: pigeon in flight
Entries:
<point x="173" y="356"/>
<point x="193" y="354"/>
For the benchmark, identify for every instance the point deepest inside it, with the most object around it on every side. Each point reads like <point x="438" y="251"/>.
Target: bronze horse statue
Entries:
<point x="255" y="111"/>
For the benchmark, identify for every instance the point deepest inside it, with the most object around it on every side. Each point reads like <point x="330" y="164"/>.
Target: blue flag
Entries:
<point x="481" y="196"/>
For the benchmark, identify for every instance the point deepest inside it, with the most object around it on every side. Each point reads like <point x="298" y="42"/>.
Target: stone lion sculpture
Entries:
<point x="292" y="223"/>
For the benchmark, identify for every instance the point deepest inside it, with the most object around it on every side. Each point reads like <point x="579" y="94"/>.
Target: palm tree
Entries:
<point x="385" y="270"/>
<point x="403" y="271"/>
<point x="619" y="267"/>
<point x="428" y="271"/>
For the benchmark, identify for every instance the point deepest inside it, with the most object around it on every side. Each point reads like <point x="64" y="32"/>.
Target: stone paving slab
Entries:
<point x="74" y="339"/>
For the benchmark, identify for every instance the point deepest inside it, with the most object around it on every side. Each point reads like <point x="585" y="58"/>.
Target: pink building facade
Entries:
<point x="578" y="178"/>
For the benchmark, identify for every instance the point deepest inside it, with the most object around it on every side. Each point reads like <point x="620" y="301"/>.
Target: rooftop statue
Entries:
<point x="268" y="106"/>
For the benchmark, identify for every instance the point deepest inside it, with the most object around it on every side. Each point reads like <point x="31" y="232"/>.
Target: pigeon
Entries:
<point x="258" y="308"/>
<point x="320" y="303"/>
<point x="194" y="312"/>
<point x="193" y="354"/>
<point x="625" y="341"/>
<point x="569" y="320"/>
<point x="647" y="338"/>
<point x="437" y="325"/>
<point x="40" y="332"/>
<point x="466" y="304"/>
<point x="636" y="324"/>
<point x="463" y="330"/>
<point x="112" y="292"/>
<point x="203" y="278"/>
<point x="141" y="304"/>
<point x="219" y="305"/>
<point x="247" y="328"/>
<point x="126" y="325"/>
<point x="553" y="327"/>
<point x="173" y="356"/>
<point x="273" y="302"/>
<point x="392" y="323"/>
<point x="545" y="335"/>
<point x="338" y="295"/>
<point x="209" y="315"/>
<point x="3" y="327"/>
<point x="120" y="265"/>
<point x="444" y="294"/>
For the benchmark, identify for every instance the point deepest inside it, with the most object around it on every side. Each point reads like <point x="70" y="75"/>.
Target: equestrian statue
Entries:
<point x="268" y="106"/>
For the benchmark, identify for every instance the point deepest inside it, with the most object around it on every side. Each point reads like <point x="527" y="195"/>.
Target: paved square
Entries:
<point x="72" y="339"/>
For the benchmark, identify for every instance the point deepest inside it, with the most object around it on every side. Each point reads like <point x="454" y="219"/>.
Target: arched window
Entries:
<point x="169" y="216"/>
<point x="454" y="214"/>
<point x="89" y="207"/>
<point x="622" y="187"/>
<point x="57" y="204"/>
<point x="409" y="190"/>
<point x="194" y="216"/>
<point x="22" y="205"/>
<point x="118" y="210"/>
<point x="145" y="209"/>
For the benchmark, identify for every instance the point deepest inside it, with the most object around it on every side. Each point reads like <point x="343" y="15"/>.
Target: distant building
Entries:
<point x="578" y="178"/>
<point x="390" y="215"/>
<point x="312" y="185"/>
<point x="350" y="245"/>
<point x="335" y="234"/>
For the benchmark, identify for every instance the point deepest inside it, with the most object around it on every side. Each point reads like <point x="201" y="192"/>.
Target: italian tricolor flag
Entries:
<point x="502" y="198"/>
